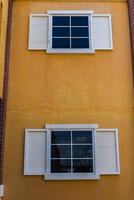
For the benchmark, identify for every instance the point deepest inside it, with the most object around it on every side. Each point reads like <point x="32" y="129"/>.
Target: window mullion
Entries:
<point x="70" y="34"/>
<point x="93" y="150"/>
<point x="71" y="153"/>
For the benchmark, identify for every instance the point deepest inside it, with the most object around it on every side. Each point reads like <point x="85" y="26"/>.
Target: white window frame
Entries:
<point x="70" y="176"/>
<point x="52" y="13"/>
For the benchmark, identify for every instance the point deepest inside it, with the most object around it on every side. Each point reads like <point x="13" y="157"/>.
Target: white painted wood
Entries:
<point x="102" y="32"/>
<point x="34" y="155"/>
<point x="107" y="153"/>
<point x="72" y="51"/>
<point x="73" y="176"/>
<point x="71" y="126"/>
<point x="70" y="12"/>
<point x="38" y="32"/>
<point x="49" y="33"/>
<point x="1" y="190"/>
<point x="91" y="33"/>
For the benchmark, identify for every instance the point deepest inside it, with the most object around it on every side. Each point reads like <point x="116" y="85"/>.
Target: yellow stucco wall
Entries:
<point x="3" y="26"/>
<point x="68" y="88"/>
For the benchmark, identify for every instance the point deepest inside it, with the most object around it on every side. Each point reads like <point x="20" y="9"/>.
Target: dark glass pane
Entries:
<point x="82" y="151"/>
<point x="61" y="21"/>
<point x="61" y="32"/>
<point x="61" y="43"/>
<point x="82" y="137"/>
<point x="61" y="151"/>
<point x="79" y="32"/>
<point x="79" y="21"/>
<point x="60" y="137"/>
<point x="80" y="43"/>
<point x="83" y="165"/>
<point x="58" y="165"/>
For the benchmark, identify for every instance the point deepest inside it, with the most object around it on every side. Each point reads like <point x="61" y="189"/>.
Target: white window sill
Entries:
<point x="70" y="51"/>
<point x="64" y="176"/>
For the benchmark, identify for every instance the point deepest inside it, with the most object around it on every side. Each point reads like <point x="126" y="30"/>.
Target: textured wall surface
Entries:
<point x="46" y="88"/>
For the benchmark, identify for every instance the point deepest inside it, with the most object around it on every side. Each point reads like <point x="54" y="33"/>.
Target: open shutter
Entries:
<point x="34" y="155"/>
<point x="102" y="32"/>
<point x="38" y="32"/>
<point x="107" y="156"/>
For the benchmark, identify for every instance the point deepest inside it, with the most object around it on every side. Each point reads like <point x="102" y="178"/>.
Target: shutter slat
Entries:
<point x="107" y="156"/>
<point x="102" y="32"/>
<point x="38" y="32"/>
<point x="34" y="158"/>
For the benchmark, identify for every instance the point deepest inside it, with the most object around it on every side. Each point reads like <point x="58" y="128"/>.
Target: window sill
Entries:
<point x="70" y="51"/>
<point x="71" y="176"/>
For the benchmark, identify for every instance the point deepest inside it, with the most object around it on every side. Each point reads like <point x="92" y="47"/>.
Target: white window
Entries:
<point x="71" y="152"/>
<point x="70" y="32"/>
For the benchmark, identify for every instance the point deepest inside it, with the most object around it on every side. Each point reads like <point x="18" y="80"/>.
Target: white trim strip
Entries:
<point x="71" y="126"/>
<point x="39" y="15"/>
<point x="34" y="130"/>
<point x="70" y="12"/>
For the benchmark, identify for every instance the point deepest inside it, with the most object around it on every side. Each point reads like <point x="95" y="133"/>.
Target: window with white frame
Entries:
<point x="70" y="31"/>
<point x="71" y="152"/>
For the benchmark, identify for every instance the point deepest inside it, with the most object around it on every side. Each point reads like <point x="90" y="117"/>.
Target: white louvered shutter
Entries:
<point x="107" y="156"/>
<point x="102" y="32"/>
<point x="38" y="32"/>
<point x="35" y="149"/>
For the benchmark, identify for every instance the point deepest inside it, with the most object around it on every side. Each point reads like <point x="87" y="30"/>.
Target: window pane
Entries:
<point x="79" y="32"/>
<point x="61" y="21"/>
<point x="79" y="21"/>
<point x="83" y="165"/>
<point x="61" y="151"/>
<point x="60" y="137"/>
<point x="61" y="43"/>
<point x="82" y="151"/>
<point x="60" y="166"/>
<point x="61" y="32"/>
<point x="80" y="43"/>
<point x="82" y="137"/>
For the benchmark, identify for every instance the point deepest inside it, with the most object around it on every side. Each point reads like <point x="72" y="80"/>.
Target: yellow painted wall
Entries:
<point x="46" y="88"/>
<point x="3" y="26"/>
<point x="77" y="0"/>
